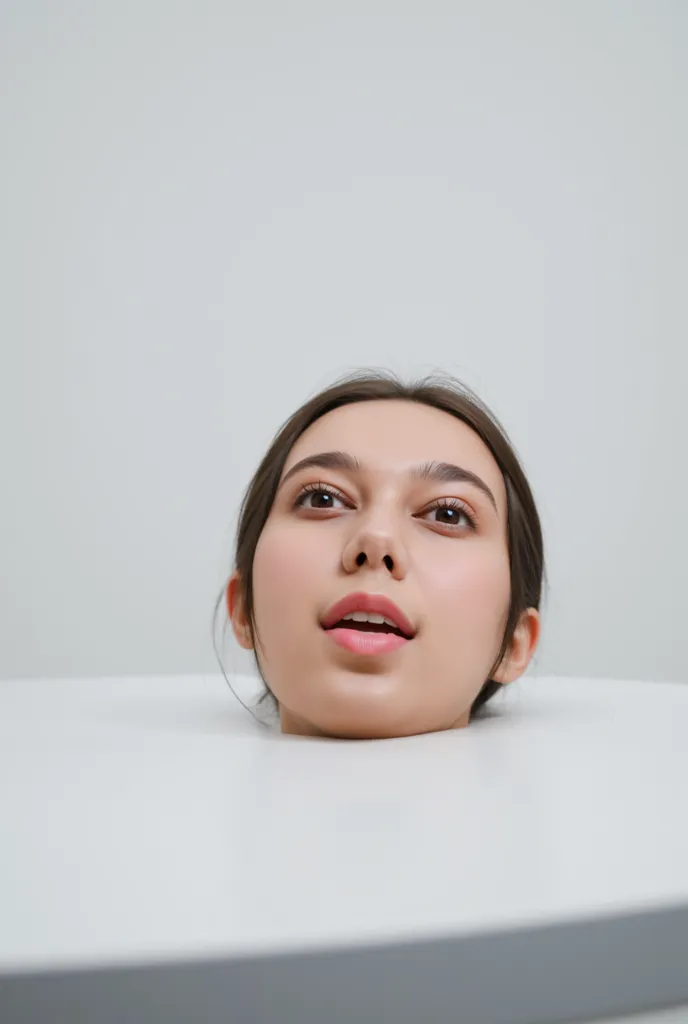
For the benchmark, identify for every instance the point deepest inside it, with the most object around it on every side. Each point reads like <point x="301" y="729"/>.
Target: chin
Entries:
<point x="345" y="717"/>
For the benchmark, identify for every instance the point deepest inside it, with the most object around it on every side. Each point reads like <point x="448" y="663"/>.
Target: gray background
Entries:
<point x="212" y="209"/>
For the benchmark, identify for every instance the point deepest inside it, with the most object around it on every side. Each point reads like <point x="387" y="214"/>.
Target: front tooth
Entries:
<point x="390" y="623"/>
<point x="367" y="617"/>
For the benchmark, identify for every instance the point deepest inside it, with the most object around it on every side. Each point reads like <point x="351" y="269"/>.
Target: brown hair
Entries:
<point x="526" y="554"/>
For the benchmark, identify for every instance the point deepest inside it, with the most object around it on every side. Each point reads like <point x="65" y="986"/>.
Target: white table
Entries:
<point x="164" y="857"/>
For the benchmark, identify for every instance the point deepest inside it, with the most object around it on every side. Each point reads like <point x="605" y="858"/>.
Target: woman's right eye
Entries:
<point x="319" y="498"/>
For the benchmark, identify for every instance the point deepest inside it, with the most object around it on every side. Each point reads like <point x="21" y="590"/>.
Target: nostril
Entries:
<point x="388" y="562"/>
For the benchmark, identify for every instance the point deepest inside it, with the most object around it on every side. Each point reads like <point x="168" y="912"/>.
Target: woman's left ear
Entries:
<point x="521" y="649"/>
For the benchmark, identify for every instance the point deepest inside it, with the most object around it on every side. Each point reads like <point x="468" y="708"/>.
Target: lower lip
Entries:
<point x="359" y="642"/>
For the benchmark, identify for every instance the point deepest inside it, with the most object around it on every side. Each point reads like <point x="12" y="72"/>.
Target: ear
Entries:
<point x="521" y="648"/>
<point x="241" y="627"/>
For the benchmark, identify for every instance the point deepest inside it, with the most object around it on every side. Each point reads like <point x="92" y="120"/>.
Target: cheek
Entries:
<point x="468" y="593"/>
<point x="288" y="570"/>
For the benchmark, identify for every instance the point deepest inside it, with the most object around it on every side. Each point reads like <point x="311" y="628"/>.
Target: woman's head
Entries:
<point x="376" y="491"/>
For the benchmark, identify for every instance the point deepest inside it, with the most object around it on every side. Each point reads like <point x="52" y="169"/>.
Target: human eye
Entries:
<point x="452" y="515"/>
<point x="320" y="498"/>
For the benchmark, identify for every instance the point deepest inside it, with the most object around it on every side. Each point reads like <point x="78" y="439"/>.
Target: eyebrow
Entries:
<point x="441" y="472"/>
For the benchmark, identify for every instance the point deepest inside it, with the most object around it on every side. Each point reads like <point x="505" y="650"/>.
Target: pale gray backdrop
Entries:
<point x="212" y="208"/>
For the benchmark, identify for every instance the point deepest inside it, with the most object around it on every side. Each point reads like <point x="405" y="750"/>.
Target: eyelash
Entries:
<point x="454" y="503"/>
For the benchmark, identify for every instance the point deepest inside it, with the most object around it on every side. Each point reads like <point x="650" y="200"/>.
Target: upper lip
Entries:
<point x="378" y="604"/>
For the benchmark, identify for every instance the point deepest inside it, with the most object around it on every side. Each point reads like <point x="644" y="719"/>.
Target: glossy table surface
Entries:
<point x="148" y="820"/>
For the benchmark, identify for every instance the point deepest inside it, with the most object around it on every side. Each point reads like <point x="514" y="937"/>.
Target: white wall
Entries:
<point x="214" y="208"/>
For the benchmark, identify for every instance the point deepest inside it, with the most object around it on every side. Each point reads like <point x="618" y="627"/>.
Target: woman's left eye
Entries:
<point x="452" y="515"/>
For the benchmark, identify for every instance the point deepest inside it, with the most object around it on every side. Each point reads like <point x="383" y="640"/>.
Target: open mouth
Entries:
<point x="370" y="624"/>
<point x="366" y="623"/>
<point x="365" y="635"/>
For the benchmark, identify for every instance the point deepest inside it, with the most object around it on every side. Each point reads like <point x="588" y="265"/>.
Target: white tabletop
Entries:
<point x="151" y="819"/>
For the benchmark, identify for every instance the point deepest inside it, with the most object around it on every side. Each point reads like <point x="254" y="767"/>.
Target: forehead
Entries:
<point x="392" y="435"/>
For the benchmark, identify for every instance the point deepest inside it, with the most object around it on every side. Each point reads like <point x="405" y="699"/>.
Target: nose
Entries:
<point x="376" y="546"/>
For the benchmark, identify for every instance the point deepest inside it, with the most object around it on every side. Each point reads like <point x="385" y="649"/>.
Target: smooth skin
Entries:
<point x="383" y="529"/>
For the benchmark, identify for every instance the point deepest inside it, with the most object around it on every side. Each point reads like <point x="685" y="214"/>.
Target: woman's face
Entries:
<point x="410" y="509"/>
